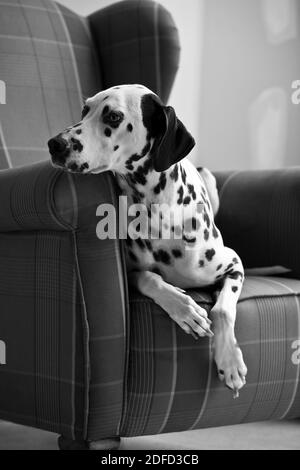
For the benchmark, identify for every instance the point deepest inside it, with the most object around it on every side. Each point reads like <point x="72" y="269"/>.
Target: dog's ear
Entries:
<point x="172" y="140"/>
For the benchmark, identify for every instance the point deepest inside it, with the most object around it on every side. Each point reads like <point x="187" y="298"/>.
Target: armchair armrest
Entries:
<point x="64" y="303"/>
<point x="259" y="216"/>
<point x="40" y="197"/>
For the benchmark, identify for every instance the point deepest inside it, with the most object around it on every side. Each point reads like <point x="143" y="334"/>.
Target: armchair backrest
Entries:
<point x="51" y="58"/>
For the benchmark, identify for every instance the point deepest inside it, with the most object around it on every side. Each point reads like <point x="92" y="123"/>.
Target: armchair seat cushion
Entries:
<point x="172" y="383"/>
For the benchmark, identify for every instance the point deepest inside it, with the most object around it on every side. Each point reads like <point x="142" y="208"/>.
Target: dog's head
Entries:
<point x="118" y="127"/>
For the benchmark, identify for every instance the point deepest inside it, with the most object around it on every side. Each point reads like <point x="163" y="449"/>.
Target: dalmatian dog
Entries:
<point x="127" y="130"/>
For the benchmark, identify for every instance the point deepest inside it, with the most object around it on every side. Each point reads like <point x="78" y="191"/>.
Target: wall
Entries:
<point x="185" y="97"/>
<point x="251" y="56"/>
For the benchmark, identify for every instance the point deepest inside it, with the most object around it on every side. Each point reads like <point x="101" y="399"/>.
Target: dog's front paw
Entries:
<point x="186" y="312"/>
<point x="229" y="360"/>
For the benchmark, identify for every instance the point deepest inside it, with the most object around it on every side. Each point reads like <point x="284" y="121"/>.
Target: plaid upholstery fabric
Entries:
<point x="48" y="63"/>
<point x="137" y="42"/>
<point x="101" y="266"/>
<point x="172" y="383"/>
<point x="62" y="318"/>
<point x="44" y="381"/>
<point x="260" y="216"/>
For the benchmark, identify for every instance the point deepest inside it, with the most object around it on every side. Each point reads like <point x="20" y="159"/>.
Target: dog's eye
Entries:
<point x="85" y="111"/>
<point x="115" y="117"/>
<point x="112" y="118"/>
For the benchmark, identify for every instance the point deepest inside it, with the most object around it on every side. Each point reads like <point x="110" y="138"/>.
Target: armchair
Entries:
<point x="86" y="358"/>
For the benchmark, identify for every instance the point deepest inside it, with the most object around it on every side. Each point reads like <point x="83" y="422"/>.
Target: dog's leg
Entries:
<point x="181" y="307"/>
<point x="228" y="355"/>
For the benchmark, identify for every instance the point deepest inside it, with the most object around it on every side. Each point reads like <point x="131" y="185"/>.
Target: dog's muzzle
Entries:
<point x="59" y="150"/>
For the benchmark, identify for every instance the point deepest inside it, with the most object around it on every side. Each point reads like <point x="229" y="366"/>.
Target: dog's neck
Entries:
<point x="149" y="186"/>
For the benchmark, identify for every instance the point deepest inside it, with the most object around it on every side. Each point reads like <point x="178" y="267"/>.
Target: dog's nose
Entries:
<point x="59" y="149"/>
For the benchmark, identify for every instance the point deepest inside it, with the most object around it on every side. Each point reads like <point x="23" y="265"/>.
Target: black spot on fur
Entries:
<point x="191" y="191"/>
<point x="105" y="110"/>
<point x="136" y="157"/>
<point x="116" y="147"/>
<point x="78" y="124"/>
<point x="209" y="254"/>
<point x="105" y="98"/>
<point x="85" y="111"/>
<point x="188" y="240"/>
<point x="183" y="174"/>
<point x="84" y="166"/>
<point x="129" y="127"/>
<point x="206" y="234"/>
<point x="229" y="266"/>
<point x="234" y="288"/>
<point x="128" y="164"/>
<point x="195" y="223"/>
<point x="206" y="218"/>
<point x="73" y="167"/>
<point x="177" y="253"/>
<point x="162" y="256"/>
<point x="219" y="267"/>
<point x="236" y="275"/>
<point x="235" y="260"/>
<point x="146" y="150"/>
<point x="186" y="200"/>
<point x="174" y="173"/>
<point x="78" y="131"/>
<point x="107" y="132"/>
<point x="201" y="263"/>
<point x="180" y="192"/>
<point x="140" y="174"/>
<point x="161" y="183"/>
<point x="191" y="224"/>
<point x="215" y="232"/>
